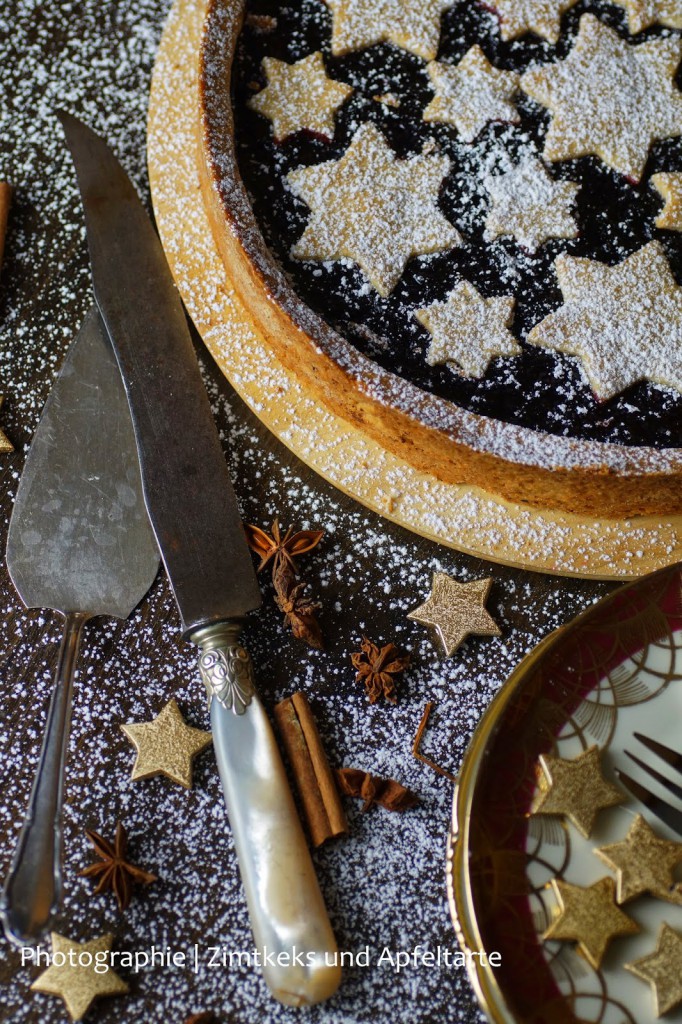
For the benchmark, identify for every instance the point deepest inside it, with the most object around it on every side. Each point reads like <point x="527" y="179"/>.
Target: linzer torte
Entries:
<point x="460" y="226"/>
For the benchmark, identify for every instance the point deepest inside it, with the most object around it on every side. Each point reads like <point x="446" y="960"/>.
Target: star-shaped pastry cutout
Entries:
<point x="413" y="25"/>
<point x="78" y="983"/>
<point x="471" y="94"/>
<point x="543" y="17"/>
<point x="300" y="97"/>
<point x="644" y="862"/>
<point x="669" y="186"/>
<point x="373" y="208"/>
<point x="469" y="330"/>
<point x="576" y="789"/>
<point x="663" y="970"/>
<point x="624" y="323"/>
<point x="457" y="610"/>
<point x="608" y="98"/>
<point x="166" y="746"/>
<point x="644" y="13"/>
<point x="530" y="206"/>
<point x="590" y="917"/>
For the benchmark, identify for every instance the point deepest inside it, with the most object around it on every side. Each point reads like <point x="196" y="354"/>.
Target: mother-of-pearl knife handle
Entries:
<point x="289" y="919"/>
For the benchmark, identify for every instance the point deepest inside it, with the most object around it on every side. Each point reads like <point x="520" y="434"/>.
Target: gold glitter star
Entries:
<point x="623" y="323"/>
<point x="166" y="746"/>
<point x="644" y="13"/>
<point x="469" y="330"/>
<point x="590" y="917"/>
<point x="456" y="610"/>
<point x="300" y="97"/>
<point x="471" y="94"/>
<point x="576" y="789"/>
<point x="670" y="188"/>
<point x="608" y="98"/>
<point x="413" y="25"/>
<point x="663" y="970"/>
<point x="5" y="443"/>
<point x="77" y="982"/>
<point x="644" y="863"/>
<point x="529" y="205"/>
<point x="373" y="208"/>
<point x="543" y="17"/>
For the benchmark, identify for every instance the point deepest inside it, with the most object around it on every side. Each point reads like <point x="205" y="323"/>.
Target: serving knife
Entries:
<point x="194" y="514"/>
<point x="79" y="542"/>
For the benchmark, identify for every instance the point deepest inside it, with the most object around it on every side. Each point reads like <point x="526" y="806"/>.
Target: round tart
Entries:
<point x="445" y="250"/>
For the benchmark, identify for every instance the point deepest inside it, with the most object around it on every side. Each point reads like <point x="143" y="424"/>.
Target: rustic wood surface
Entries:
<point x="384" y="884"/>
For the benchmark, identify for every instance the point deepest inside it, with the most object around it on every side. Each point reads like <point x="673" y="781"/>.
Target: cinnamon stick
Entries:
<point x="5" y="200"/>
<point x="314" y="778"/>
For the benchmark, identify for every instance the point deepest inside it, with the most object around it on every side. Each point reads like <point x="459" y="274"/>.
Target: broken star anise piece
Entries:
<point x="374" y="790"/>
<point x="377" y="668"/>
<point x="113" y="870"/>
<point x="282" y="548"/>
<point x="299" y="610"/>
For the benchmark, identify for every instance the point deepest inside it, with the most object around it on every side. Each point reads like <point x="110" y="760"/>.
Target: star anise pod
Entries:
<point x="374" y="790"/>
<point x="114" y="871"/>
<point x="282" y="548"/>
<point x="377" y="667"/>
<point x="299" y="610"/>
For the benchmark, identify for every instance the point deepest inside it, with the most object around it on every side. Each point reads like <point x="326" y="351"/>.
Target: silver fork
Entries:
<point x="667" y="812"/>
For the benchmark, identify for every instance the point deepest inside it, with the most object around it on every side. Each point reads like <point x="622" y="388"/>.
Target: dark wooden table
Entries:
<point x="384" y="884"/>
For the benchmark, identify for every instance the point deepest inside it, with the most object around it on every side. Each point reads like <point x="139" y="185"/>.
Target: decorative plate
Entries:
<point x="614" y="671"/>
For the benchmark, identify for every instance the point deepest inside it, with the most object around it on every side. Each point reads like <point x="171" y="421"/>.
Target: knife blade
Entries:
<point x="79" y="542"/>
<point x="194" y="514"/>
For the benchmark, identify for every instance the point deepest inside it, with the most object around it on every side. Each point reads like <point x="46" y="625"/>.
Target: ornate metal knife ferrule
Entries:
<point x="225" y="666"/>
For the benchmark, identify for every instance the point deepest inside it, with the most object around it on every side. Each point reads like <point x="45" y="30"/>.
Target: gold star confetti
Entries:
<point x="644" y="13"/>
<point x="608" y="98"/>
<point x="663" y="970"/>
<point x="543" y="17"/>
<point x="166" y="746"/>
<point x="457" y="610"/>
<point x="469" y="330"/>
<point x="623" y="323"/>
<point x="644" y="862"/>
<point x="413" y="25"/>
<point x="590" y="917"/>
<point x="530" y="206"/>
<point x="300" y="97"/>
<point x="576" y="789"/>
<point x="471" y="94"/>
<point x="669" y="186"/>
<point x="373" y="208"/>
<point x="75" y="980"/>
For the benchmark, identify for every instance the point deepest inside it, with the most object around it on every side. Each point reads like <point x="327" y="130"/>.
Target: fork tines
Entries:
<point x="667" y="812"/>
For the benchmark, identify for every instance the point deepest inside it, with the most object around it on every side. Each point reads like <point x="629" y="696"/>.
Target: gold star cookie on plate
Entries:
<point x="669" y="187"/>
<point x="300" y="97"/>
<point x="78" y="983"/>
<point x="644" y="862"/>
<point x="590" y="917"/>
<point x="373" y="208"/>
<point x="663" y="970"/>
<point x="468" y="331"/>
<point x="166" y="746"/>
<point x="623" y="323"/>
<point x="530" y="206"/>
<point x="413" y="25"/>
<point x="609" y="98"/>
<point x="576" y="789"/>
<point x="471" y="94"/>
<point x="645" y="13"/>
<point x="542" y="17"/>
<point x="456" y="610"/>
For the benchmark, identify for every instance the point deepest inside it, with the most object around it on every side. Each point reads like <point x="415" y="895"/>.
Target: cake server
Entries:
<point x="79" y="542"/>
<point x="194" y="513"/>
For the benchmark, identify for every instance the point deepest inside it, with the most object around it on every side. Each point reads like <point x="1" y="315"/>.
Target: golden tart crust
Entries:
<point x="431" y="434"/>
